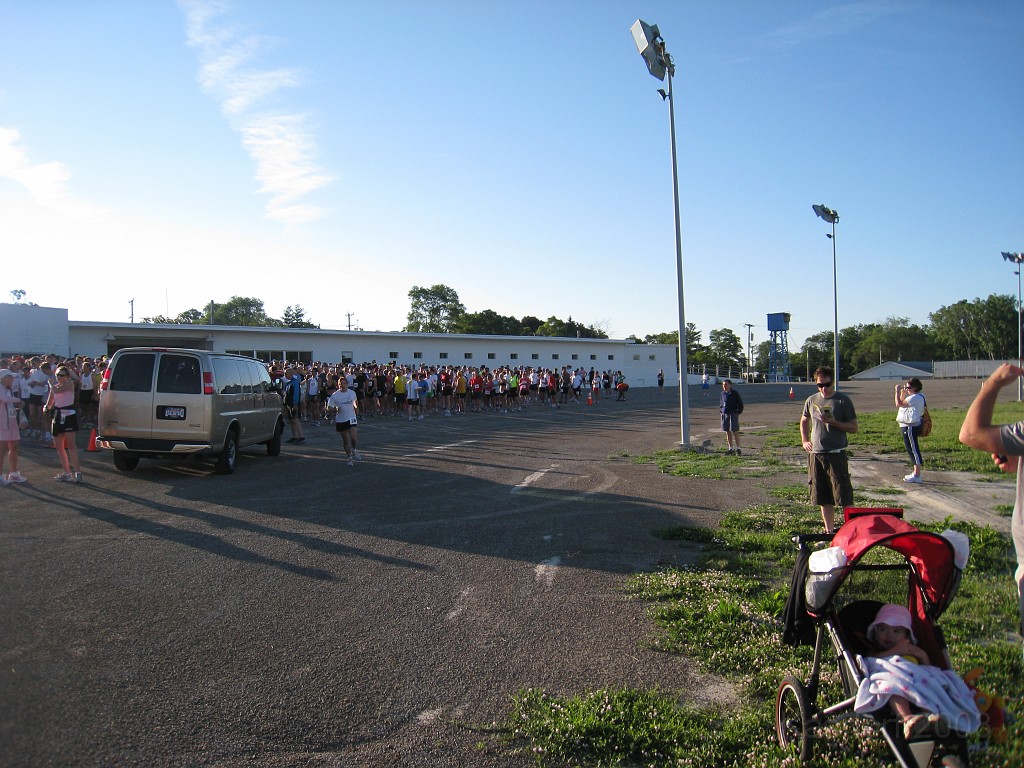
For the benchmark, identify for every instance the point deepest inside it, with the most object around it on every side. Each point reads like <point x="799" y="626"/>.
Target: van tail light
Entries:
<point x="105" y="381"/>
<point x="208" y="383"/>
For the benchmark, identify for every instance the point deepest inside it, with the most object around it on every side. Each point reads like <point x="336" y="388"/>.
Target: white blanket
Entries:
<point x="930" y="688"/>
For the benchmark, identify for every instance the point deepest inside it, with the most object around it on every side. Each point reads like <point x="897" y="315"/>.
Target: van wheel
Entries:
<point x="124" y="461"/>
<point x="228" y="458"/>
<point x="274" y="443"/>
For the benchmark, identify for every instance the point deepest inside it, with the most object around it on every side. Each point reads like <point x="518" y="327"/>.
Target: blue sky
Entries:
<point x="335" y="154"/>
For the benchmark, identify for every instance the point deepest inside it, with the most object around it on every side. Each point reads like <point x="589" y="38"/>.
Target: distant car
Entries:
<point x="170" y="403"/>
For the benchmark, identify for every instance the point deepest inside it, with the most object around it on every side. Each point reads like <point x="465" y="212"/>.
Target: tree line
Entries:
<point x="967" y="330"/>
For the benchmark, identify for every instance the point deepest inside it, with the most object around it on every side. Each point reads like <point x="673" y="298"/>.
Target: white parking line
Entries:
<point x="545" y="572"/>
<point x="436" y="448"/>
<point x="531" y="479"/>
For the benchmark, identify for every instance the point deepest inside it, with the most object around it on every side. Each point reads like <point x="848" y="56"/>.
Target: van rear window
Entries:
<point x="179" y="375"/>
<point x="133" y="373"/>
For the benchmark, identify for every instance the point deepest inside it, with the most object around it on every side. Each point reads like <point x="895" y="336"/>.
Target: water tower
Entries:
<point x="778" y="346"/>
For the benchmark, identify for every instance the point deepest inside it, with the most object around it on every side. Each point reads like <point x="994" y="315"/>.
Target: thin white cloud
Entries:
<point x="281" y="144"/>
<point x="46" y="183"/>
<point x="829" y="22"/>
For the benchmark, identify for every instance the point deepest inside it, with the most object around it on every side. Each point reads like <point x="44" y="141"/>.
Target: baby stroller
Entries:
<point x="819" y="611"/>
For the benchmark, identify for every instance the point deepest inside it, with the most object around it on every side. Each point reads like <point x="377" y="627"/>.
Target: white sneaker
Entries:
<point x="5" y="481"/>
<point x="356" y="455"/>
<point x="421" y="417"/>
<point x="17" y="477"/>
<point x="912" y="479"/>
<point x="350" y="463"/>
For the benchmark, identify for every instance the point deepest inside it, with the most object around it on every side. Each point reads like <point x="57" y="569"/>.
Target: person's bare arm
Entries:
<point x="977" y="430"/>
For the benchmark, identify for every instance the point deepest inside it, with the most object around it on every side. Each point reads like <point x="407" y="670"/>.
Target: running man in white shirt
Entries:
<point x="343" y="404"/>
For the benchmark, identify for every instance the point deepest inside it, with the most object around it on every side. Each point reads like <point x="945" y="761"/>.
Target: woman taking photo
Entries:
<point x="910" y="402"/>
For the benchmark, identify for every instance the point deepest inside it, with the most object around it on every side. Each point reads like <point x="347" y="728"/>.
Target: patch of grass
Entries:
<point x="724" y="613"/>
<point x="1004" y="509"/>
<point x="717" y="465"/>
<point x="879" y="433"/>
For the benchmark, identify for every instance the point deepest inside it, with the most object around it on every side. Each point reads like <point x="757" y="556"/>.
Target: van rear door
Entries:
<point x="129" y="415"/>
<point x="181" y="411"/>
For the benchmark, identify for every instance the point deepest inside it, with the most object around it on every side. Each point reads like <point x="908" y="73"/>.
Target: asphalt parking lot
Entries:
<point x="302" y="612"/>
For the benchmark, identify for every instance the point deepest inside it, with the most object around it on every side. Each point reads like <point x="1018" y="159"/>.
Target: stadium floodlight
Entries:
<point x="652" y="48"/>
<point x="830" y="216"/>
<point x="1017" y="258"/>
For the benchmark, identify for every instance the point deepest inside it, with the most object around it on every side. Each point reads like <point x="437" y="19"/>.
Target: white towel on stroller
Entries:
<point x="930" y="688"/>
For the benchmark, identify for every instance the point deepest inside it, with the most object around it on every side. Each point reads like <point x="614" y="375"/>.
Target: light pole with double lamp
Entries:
<point x="1017" y="258"/>
<point x="832" y="217"/>
<point x="651" y="46"/>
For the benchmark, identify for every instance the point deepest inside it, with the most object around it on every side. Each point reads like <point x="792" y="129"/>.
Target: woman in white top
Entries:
<point x="10" y="428"/>
<point x="910" y="401"/>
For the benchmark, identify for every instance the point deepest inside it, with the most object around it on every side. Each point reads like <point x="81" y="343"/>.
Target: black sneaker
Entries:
<point x="739" y="452"/>
<point x="292" y="440"/>
<point x="299" y="441"/>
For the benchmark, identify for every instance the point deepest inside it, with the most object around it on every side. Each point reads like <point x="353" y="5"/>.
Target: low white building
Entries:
<point x="892" y="371"/>
<point x="639" y="363"/>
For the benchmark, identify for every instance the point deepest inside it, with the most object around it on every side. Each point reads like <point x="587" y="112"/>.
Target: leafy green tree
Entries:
<point x="530" y="324"/>
<point x="295" y="317"/>
<point x="977" y="329"/>
<point x="242" y="311"/>
<point x="489" y="323"/>
<point x="434" y="310"/>
<point x="570" y="328"/>
<point x="726" y="347"/>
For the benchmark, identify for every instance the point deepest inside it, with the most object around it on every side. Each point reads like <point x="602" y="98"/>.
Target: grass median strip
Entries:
<point x="724" y="614"/>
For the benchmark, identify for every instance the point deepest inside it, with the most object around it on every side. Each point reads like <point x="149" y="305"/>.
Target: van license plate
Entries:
<point x="174" y="412"/>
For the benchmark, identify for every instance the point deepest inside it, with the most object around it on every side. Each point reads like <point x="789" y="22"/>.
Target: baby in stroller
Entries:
<point x="901" y="675"/>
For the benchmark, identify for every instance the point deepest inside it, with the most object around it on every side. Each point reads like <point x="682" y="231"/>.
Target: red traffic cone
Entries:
<point x="590" y="399"/>
<point x="92" y="441"/>
<point x="791" y="395"/>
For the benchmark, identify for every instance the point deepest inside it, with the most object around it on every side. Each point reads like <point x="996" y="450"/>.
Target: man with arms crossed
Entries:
<point x="827" y="417"/>
<point x="1006" y="444"/>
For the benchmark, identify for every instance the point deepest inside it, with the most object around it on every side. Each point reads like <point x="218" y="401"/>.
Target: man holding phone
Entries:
<point x="827" y="418"/>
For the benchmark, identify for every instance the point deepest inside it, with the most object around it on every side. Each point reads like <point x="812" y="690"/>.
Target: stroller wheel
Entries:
<point x="793" y="717"/>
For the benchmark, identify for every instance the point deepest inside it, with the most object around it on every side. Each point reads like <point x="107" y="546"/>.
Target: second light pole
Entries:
<point x="1017" y="258"/>
<point x="832" y="217"/>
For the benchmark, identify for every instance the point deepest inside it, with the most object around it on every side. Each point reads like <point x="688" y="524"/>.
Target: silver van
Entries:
<point x="166" y="403"/>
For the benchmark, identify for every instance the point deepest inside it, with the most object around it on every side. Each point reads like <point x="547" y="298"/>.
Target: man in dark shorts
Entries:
<point x="827" y="418"/>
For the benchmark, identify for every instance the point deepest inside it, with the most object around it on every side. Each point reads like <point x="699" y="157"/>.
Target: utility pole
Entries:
<point x="349" y="316"/>
<point x="131" y="303"/>
<point x="750" y="338"/>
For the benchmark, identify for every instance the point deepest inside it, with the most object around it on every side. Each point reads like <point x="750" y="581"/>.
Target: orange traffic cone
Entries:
<point x="791" y="393"/>
<point x="590" y="399"/>
<point x="92" y="441"/>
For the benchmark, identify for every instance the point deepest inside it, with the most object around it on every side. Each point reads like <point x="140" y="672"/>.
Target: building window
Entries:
<point x="535" y="356"/>
<point x="611" y="357"/>
<point x="652" y="357"/>
<point x="514" y="356"/>
<point x="468" y="355"/>
<point x="393" y="355"/>
<point x="443" y="355"/>
<point x="575" y="357"/>
<point x="554" y="357"/>
<point x="593" y="357"/>
<point x="490" y="355"/>
<point x="636" y="357"/>
<point x="417" y="355"/>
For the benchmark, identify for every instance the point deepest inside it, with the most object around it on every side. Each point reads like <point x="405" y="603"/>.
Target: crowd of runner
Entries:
<point x="416" y="392"/>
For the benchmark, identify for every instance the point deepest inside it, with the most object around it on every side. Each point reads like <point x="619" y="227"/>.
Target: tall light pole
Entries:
<point x="750" y="338"/>
<point x="651" y="46"/>
<point x="832" y="217"/>
<point x="1017" y="258"/>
